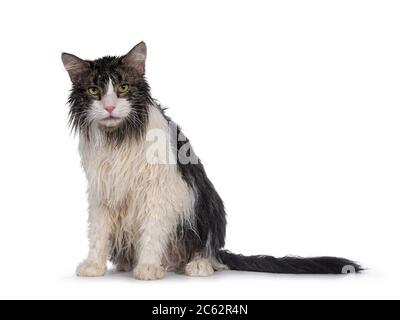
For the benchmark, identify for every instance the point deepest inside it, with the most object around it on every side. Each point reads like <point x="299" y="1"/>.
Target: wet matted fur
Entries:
<point x="151" y="216"/>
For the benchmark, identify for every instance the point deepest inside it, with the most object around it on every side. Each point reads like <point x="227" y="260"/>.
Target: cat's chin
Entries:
<point x="110" y="123"/>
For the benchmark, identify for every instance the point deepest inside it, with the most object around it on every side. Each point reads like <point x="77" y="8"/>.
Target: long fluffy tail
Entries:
<point x="292" y="265"/>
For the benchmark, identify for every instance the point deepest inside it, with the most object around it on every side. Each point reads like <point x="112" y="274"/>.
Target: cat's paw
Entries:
<point x="90" y="268"/>
<point x="199" y="268"/>
<point x="148" y="272"/>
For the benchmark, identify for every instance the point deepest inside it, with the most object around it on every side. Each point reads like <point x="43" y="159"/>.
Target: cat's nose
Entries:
<point x="110" y="108"/>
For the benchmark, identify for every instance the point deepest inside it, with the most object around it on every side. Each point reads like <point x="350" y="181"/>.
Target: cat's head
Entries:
<point x="110" y="93"/>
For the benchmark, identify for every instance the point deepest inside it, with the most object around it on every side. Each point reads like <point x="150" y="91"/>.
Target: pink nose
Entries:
<point x="110" y="109"/>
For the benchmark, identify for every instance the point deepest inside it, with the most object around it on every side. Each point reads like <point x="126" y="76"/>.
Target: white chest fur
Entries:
<point x="111" y="172"/>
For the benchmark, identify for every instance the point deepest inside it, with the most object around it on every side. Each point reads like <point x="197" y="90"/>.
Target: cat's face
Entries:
<point x="110" y="93"/>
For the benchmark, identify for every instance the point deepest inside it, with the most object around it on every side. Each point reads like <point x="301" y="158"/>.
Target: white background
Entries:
<point x="293" y="106"/>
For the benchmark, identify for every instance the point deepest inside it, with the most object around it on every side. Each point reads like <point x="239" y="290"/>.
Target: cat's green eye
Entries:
<point x="93" y="91"/>
<point x="123" y="88"/>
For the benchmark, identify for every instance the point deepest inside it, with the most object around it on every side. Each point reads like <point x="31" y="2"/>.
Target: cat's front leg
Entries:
<point x="150" y="253"/>
<point x="156" y="231"/>
<point x="95" y="264"/>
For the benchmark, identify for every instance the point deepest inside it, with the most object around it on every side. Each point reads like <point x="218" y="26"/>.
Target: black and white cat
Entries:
<point x="152" y="207"/>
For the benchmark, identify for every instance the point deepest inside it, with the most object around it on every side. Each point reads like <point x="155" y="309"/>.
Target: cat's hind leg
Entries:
<point x="199" y="267"/>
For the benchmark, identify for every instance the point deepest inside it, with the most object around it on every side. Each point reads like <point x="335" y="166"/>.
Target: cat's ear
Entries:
<point x="136" y="58"/>
<point x="74" y="65"/>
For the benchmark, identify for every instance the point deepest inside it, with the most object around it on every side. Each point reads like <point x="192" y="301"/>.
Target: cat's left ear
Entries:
<point x="74" y="65"/>
<point x="136" y="58"/>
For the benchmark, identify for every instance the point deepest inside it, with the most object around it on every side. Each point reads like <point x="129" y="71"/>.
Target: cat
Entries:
<point x="148" y="213"/>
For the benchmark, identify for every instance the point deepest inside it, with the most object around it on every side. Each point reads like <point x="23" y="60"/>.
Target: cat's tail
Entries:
<point x="289" y="265"/>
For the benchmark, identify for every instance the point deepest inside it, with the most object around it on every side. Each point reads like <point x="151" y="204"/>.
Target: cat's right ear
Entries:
<point x="74" y="65"/>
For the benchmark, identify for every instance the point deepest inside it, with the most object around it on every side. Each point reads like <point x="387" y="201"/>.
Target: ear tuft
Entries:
<point x="136" y="58"/>
<point x="74" y="65"/>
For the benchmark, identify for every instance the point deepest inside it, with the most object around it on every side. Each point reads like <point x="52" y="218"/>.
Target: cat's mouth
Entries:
<point x="110" y="122"/>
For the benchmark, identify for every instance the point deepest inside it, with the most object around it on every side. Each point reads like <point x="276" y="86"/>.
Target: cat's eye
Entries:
<point x="123" y="88"/>
<point x="93" y="91"/>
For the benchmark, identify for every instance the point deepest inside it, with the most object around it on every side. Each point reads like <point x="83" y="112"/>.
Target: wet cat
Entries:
<point x="152" y="207"/>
